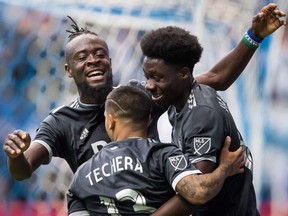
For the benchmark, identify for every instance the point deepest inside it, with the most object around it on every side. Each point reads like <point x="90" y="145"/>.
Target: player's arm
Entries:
<point x="227" y="70"/>
<point x="212" y="127"/>
<point x="75" y="205"/>
<point x="203" y="187"/>
<point x="199" y="189"/>
<point x="175" y="206"/>
<point x="23" y="158"/>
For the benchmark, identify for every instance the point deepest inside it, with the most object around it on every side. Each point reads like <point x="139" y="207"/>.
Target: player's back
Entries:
<point x="130" y="177"/>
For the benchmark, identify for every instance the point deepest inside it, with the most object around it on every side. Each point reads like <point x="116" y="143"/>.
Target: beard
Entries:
<point x="97" y="93"/>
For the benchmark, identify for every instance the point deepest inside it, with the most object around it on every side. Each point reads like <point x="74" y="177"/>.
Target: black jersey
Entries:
<point x="73" y="132"/>
<point x="200" y="130"/>
<point x="130" y="177"/>
<point x="77" y="131"/>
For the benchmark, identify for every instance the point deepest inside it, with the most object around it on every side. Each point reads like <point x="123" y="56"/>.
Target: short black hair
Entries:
<point x="129" y="102"/>
<point x="172" y="44"/>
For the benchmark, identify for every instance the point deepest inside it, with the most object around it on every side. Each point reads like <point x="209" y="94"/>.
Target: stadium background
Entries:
<point x="32" y="81"/>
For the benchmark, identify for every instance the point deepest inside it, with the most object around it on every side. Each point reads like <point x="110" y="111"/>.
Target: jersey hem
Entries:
<point x="80" y="213"/>
<point x="46" y="146"/>
<point x="182" y="175"/>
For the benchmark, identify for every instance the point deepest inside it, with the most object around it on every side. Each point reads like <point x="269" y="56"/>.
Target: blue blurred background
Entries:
<point x="32" y="81"/>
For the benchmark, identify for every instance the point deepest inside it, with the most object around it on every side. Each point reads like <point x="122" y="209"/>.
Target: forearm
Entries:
<point x="175" y="206"/>
<point x="19" y="167"/>
<point x="225" y="72"/>
<point x="199" y="189"/>
<point x="228" y="69"/>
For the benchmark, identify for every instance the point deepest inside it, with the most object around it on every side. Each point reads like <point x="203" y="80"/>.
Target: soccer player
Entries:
<point x="134" y="175"/>
<point x="76" y="131"/>
<point x="199" y="117"/>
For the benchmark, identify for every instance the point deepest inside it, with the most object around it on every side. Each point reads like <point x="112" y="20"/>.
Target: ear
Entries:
<point x="185" y="73"/>
<point x="111" y="121"/>
<point x="150" y="120"/>
<point x="68" y="71"/>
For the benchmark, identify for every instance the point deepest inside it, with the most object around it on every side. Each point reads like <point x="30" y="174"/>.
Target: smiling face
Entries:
<point x="89" y="64"/>
<point x="168" y="83"/>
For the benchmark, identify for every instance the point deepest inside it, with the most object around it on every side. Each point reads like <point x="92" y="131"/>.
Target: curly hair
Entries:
<point x="172" y="44"/>
<point x="77" y="30"/>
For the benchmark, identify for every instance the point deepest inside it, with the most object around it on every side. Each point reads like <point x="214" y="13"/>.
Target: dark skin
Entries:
<point x="264" y="23"/>
<point x="88" y="62"/>
<point x="24" y="158"/>
<point x="171" y="84"/>
<point x="168" y="84"/>
<point x="197" y="189"/>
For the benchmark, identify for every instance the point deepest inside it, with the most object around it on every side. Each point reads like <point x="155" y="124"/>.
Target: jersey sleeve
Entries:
<point x="204" y="134"/>
<point x="174" y="165"/>
<point x="75" y="204"/>
<point x="49" y="135"/>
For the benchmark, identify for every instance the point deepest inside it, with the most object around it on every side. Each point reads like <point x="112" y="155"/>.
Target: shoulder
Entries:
<point x="84" y="166"/>
<point x="202" y="90"/>
<point x="144" y="148"/>
<point x="206" y="96"/>
<point x="160" y="148"/>
<point x="76" y="108"/>
<point x="73" y="104"/>
<point x="61" y="116"/>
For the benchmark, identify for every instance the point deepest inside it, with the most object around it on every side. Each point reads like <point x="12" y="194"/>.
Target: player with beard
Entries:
<point x="76" y="131"/>
<point x="134" y="175"/>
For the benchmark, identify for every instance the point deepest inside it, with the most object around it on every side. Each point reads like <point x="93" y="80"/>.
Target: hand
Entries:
<point x="267" y="21"/>
<point x="16" y="143"/>
<point x="233" y="162"/>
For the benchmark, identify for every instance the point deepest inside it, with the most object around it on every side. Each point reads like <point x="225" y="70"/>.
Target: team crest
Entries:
<point x="179" y="162"/>
<point x="201" y="145"/>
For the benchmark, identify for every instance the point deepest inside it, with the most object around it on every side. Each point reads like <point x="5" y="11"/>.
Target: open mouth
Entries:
<point x="96" y="75"/>
<point x="157" y="97"/>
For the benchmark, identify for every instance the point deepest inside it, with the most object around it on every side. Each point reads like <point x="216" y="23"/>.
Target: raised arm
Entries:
<point x="227" y="70"/>
<point x="23" y="159"/>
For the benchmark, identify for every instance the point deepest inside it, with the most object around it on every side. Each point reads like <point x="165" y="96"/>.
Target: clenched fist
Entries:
<point x="16" y="143"/>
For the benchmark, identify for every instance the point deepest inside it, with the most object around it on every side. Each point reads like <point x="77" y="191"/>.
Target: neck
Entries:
<point x="88" y="100"/>
<point x="181" y="103"/>
<point x="122" y="134"/>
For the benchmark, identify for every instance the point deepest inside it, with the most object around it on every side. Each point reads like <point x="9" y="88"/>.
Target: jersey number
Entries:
<point x="138" y="200"/>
